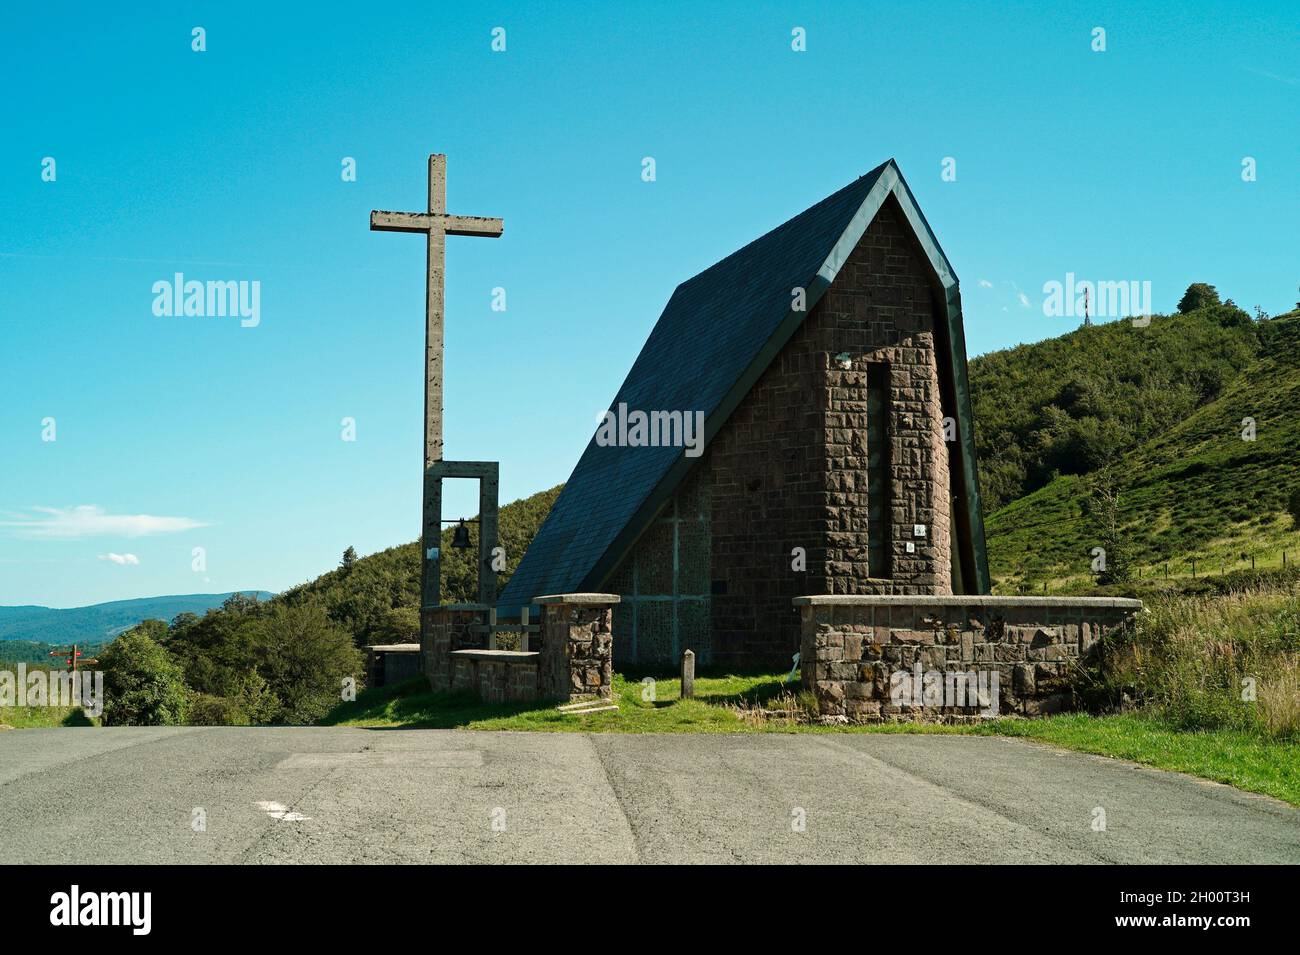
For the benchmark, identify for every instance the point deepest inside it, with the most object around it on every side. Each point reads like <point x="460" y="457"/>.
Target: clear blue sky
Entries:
<point x="225" y="165"/>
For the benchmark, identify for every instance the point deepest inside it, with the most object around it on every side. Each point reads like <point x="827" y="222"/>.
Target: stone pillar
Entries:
<point x="445" y="629"/>
<point x="577" y="652"/>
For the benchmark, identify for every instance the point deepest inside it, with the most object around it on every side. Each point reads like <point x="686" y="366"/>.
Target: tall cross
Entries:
<point x="436" y="224"/>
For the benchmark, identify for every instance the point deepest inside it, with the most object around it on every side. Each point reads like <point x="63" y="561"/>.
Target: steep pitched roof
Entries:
<point x="717" y="334"/>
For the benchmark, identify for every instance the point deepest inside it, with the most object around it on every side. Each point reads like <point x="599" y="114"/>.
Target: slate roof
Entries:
<point x="712" y="332"/>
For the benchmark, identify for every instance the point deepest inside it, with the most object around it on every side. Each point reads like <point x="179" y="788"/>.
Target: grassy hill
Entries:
<point x="377" y="597"/>
<point x="1159" y="410"/>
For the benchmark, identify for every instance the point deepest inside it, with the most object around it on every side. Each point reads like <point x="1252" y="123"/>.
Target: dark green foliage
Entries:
<point x="1190" y="483"/>
<point x="1102" y="507"/>
<point x="1198" y="295"/>
<point x="305" y="658"/>
<point x="1293" y="505"/>
<point x="285" y="660"/>
<point x="143" y="686"/>
<point x="1068" y="405"/>
<point x="361" y="599"/>
<point x="31" y="652"/>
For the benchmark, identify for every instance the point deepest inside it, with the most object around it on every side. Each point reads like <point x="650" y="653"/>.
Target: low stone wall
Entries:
<point x="392" y="663"/>
<point x="445" y="629"/>
<point x="959" y="658"/>
<point x="575" y="658"/>
<point x="495" y="675"/>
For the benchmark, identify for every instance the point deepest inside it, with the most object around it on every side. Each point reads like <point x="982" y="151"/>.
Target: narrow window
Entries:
<point x="878" y="478"/>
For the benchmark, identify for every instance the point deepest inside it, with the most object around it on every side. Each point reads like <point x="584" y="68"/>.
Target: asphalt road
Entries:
<point x="354" y="795"/>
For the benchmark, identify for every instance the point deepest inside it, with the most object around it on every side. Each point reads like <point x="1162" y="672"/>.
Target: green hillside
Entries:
<point x="377" y="597"/>
<point x="1156" y="413"/>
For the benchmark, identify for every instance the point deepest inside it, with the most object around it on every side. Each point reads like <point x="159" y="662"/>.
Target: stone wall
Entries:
<point x="391" y="663"/>
<point x="577" y="655"/>
<point x="789" y="469"/>
<point x="575" y="658"/>
<point x="447" y="628"/>
<point x="495" y="676"/>
<point x="663" y="585"/>
<point x="858" y="652"/>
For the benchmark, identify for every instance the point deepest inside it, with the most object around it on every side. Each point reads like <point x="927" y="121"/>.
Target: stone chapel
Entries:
<point x="827" y="363"/>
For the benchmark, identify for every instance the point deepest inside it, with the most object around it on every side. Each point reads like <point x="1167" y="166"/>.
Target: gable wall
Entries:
<point x="788" y="470"/>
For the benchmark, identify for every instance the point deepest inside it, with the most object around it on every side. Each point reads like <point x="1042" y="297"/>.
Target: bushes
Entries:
<point x="143" y="686"/>
<point x="208" y="710"/>
<point x="1213" y="662"/>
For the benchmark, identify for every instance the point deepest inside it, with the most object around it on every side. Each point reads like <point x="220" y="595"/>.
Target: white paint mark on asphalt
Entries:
<point x="279" y="811"/>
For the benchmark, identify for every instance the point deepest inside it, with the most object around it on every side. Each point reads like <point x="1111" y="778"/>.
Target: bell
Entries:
<point x="460" y="540"/>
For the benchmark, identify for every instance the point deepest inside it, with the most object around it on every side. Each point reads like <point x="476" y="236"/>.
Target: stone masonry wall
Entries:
<point x="664" y="584"/>
<point x="448" y="628"/>
<point x="577" y="648"/>
<point x="852" y="649"/>
<point x="789" y="469"/>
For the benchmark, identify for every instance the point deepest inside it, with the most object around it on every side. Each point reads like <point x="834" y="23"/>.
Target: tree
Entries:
<point x="1198" y="295"/>
<point x="349" y="558"/>
<point x="1102" y="507"/>
<point x="305" y="658"/>
<point x="397" y="625"/>
<point x="142" y="684"/>
<point x="1293" y="506"/>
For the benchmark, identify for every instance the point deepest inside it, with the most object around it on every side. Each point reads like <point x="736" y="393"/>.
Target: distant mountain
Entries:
<point x="99" y="623"/>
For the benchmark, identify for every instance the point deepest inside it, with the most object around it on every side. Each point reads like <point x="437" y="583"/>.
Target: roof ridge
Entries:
<point x="836" y="195"/>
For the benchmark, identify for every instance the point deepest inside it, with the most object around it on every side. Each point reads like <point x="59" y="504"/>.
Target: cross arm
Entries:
<point x="381" y="221"/>
<point x="472" y="225"/>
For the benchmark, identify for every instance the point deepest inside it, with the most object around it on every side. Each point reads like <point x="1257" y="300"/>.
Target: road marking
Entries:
<point x="279" y="811"/>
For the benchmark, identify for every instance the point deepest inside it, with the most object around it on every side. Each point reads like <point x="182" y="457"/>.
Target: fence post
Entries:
<point x="524" y="613"/>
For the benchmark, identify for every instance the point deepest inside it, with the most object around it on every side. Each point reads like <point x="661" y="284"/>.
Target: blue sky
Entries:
<point x="174" y="433"/>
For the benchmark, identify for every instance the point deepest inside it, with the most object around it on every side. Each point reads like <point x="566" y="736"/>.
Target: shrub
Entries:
<point x="1198" y="295"/>
<point x="208" y="710"/>
<point x="305" y="658"/>
<point x="142" y="685"/>
<point x="1213" y="662"/>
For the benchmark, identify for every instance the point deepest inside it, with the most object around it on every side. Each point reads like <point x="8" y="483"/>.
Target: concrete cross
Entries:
<point x="436" y="224"/>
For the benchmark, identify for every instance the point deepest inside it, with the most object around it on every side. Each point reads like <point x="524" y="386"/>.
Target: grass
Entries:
<point x="728" y="704"/>
<point x="1240" y="759"/>
<point x="37" y="717"/>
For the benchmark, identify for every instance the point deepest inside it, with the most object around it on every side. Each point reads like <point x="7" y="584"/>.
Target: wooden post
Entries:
<point x="688" y="675"/>
<point x="524" y="613"/>
<point x="492" y="634"/>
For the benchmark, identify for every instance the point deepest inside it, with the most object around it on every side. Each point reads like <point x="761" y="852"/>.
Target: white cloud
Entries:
<point x="985" y="283"/>
<point x="121" y="558"/>
<point x="1024" y="299"/>
<point x="90" y="520"/>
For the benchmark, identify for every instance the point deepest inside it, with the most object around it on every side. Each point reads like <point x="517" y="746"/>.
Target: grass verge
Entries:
<point x="37" y="717"/>
<point x="731" y="703"/>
